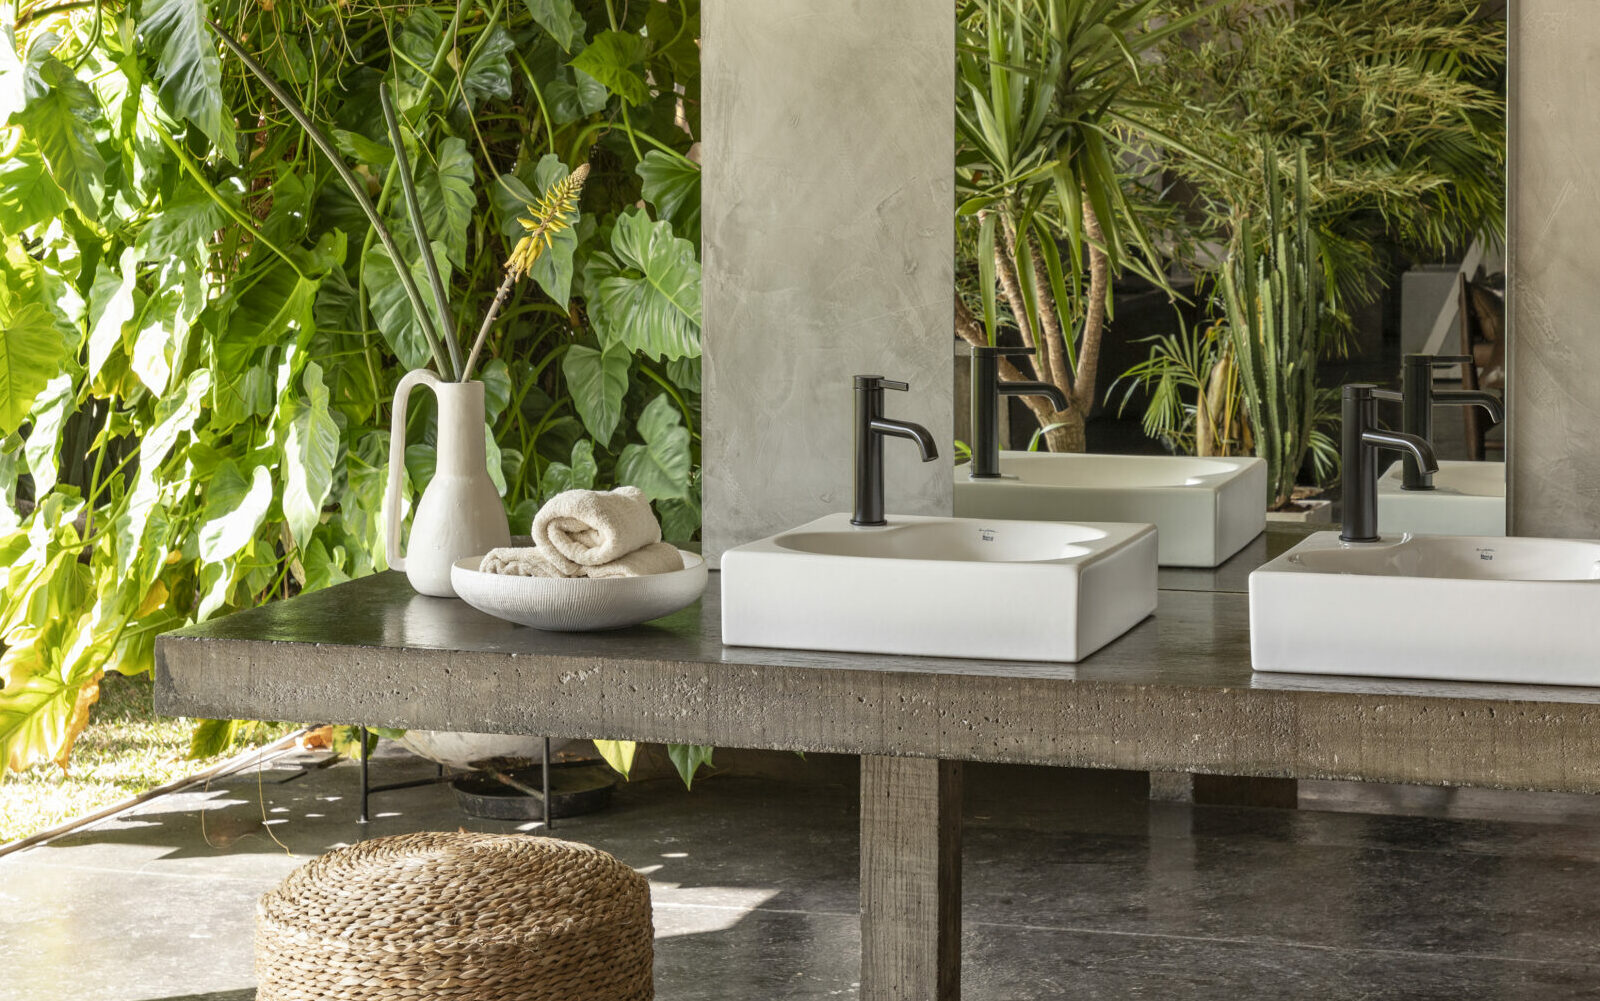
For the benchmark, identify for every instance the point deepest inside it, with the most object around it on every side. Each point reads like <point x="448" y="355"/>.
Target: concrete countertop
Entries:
<point x="1174" y="694"/>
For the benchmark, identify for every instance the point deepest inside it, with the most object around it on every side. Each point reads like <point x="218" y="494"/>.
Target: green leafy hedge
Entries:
<point x="199" y="335"/>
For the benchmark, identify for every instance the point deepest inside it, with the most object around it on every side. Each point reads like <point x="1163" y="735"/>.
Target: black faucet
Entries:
<point x="1417" y="398"/>
<point x="871" y="427"/>
<point x="986" y="392"/>
<point x="1362" y="440"/>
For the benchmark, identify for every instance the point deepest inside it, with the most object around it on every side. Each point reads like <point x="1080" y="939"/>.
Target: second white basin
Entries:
<point x="941" y="587"/>
<point x="1204" y="510"/>
<point x="1459" y="608"/>
<point x="1468" y="498"/>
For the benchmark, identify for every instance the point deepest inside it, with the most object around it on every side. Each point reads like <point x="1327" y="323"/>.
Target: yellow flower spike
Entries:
<point x="550" y="216"/>
<point x="548" y="219"/>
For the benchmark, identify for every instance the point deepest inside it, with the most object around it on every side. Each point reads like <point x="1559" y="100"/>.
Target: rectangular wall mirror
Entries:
<point x="1204" y="224"/>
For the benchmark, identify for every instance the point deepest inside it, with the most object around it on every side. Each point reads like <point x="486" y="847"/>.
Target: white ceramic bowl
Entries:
<point x="579" y="604"/>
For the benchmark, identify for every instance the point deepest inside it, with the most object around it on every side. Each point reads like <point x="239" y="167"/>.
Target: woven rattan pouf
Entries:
<point x="486" y="917"/>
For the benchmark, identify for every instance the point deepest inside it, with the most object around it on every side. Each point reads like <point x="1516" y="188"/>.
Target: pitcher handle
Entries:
<point x="397" y="461"/>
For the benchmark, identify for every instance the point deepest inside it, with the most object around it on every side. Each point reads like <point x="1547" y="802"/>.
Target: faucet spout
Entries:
<point x="1473" y="397"/>
<point x="1362" y="440"/>
<point x="1399" y="441"/>
<point x="1049" y="391"/>
<point x="906" y="429"/>
<point x="987" y="389"/>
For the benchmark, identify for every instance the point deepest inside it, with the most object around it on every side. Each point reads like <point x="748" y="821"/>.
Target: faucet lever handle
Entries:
<point x="879" y="382"/>
<point x="1450" y="360"/>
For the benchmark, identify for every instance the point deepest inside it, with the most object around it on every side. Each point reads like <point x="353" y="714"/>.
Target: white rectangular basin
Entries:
<point x="941" y="587"/>
<point x="1468" y="498"/>
<point x="1456" y="608"/>
<point x="1204" y="510"/>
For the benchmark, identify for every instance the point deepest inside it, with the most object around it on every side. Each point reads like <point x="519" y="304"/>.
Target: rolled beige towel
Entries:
<point x="525" y="561"/>
<point x="590" y="528"/>
<point x="658" y="557"/>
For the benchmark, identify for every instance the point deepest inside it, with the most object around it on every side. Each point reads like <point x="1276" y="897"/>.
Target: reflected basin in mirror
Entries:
<point x="941" y="587"/>
<point x="1468" y="498"/>
<point x="1458" y="608"/>
<point x="1204" y="510"/>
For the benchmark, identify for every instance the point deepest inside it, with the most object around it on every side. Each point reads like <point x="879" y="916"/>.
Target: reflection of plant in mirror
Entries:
<point x="1044" y="99"/>
<point x="1399" y="103"/>
<point x="1195" y="405"/>
<point x="1278" y="328"/>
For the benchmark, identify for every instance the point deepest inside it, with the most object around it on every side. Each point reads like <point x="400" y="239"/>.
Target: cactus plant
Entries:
<point x="1278" y="328"/>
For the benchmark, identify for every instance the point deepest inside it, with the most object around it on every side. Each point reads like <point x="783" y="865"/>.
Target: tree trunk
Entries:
<point x="1071" y="436"/>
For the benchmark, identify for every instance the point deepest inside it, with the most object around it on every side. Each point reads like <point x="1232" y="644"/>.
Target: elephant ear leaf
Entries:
<point x="311" y="449"/>
<point x="599" y="381"/>
<point x="561" y="19"/>
<point x="447" y="198"/>
<point x="31" y="350"/>
<point x="646" y="292"/>
<point x="391" y="308"/>
<point x="190" y="69"/>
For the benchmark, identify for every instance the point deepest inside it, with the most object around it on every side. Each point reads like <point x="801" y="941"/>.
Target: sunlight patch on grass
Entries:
<point x="126" y="750"/>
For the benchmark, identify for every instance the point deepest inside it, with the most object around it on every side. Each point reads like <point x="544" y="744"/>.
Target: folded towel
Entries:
<point x="589" y="528"/>
<point x="658" y="557"/>
<point x="519" y="562"/>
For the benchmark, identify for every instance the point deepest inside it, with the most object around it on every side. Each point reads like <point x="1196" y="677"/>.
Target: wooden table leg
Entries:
<point x="910" y="879"/>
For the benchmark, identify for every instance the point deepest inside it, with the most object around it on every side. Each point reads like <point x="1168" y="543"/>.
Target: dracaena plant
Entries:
<point x="201" y="321"/>
<point x="1048" y="109"/>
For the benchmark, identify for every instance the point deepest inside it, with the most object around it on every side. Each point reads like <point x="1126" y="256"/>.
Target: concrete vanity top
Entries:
<point x="1174" y="694"/>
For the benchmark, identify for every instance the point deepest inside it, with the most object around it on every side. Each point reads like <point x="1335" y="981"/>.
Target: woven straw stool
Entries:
<point x="486" y="917"/>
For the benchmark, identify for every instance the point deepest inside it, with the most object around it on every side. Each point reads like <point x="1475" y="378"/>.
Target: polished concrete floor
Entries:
<point x="1076" y="886"/>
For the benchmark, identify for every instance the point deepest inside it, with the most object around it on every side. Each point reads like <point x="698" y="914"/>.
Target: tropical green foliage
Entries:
<point x="1397" y="108"/>
<point x="1195" y="405"/>
<point x="1047" y="116"/>
<point x="200" y="329"/>
<point x="1399" y="105"/>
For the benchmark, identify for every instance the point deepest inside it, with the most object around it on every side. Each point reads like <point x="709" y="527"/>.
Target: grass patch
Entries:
<point x="125" y="750"/>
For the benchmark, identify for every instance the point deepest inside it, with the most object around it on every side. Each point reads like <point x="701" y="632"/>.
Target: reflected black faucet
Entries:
<point x="1362" y="440"/>
<point x="1417" y="398"/>
<point x="987" y="388"/>
<point x="871" y="427"/>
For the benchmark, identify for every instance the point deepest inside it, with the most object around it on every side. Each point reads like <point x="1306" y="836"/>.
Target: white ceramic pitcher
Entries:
<point x="460" y="513"/>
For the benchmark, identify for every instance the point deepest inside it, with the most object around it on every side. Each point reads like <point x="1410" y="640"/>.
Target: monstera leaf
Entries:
<point x="191" y="70"/>
<point x="616" y="59"/>
<point x="646" y="292"/>
<point x="661" y="466"/>
<point x="58" y="122"/>
<point x="234" y="509"/>
<point x="672" y="186"/>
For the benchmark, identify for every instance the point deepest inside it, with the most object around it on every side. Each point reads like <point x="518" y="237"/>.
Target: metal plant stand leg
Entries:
<point x="366" y="789"/>
<point x="910" y="879"/>
<point x="544" y="776"/>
